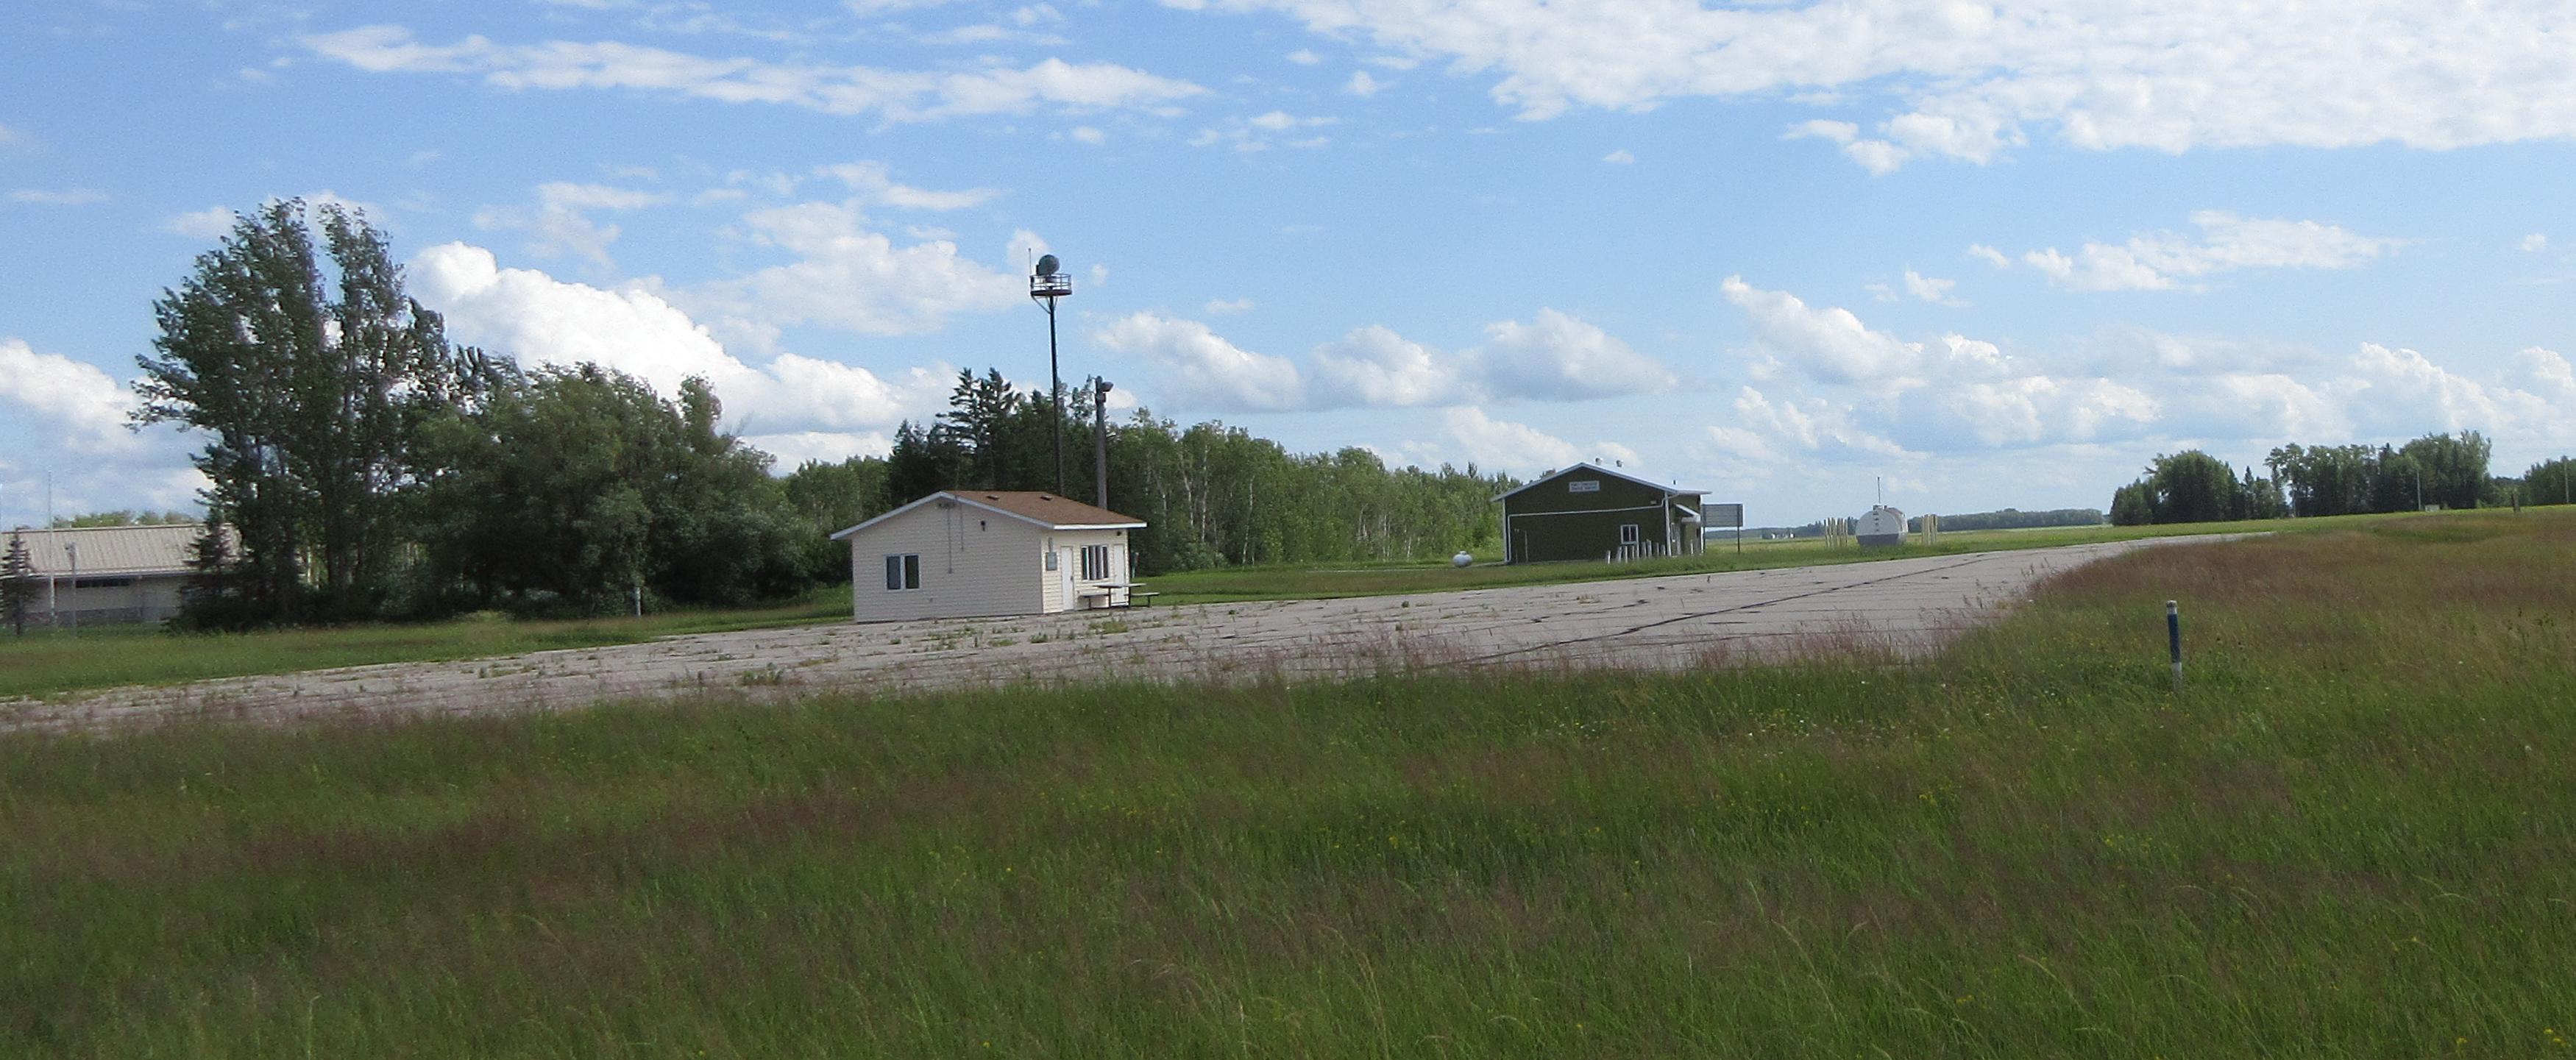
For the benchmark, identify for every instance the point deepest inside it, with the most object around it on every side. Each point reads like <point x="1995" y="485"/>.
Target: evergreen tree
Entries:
<point x="17" y="583"/>
<point x="211" y="596"/>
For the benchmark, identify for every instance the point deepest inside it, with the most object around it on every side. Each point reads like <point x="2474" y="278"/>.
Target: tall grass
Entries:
<point x="2349" y="837"/>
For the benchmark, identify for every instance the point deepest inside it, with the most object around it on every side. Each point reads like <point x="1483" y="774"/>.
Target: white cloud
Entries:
<point x="1376" y="366"/>
<point x="1830" y="345"/>
<point x="1812" y="427"/>
<point x="1554" y="358"/>
<point x="1502" y="444"/>
<point x="2262" y="405"/>
<point x="1025" y="247"/>
<point x="1560" y="357"/>
<point x="891" y="95"/>
<point x="1263" y="131"/>
<point x="213" y="222"/>
<point x="2166" y="260"/>
<point x="830" y="447"/>
<point x="1203" y="369"/>
<point x="2535" y="243"/>
<point x="1989" y="255"/>
<point x="559" y="221"/>
<point x="1620" y="157"/>
<point x="1304" y="57"/>
<point x="2032" y="410"/>
<point x="2404" y="391"/>
<point x="1223" y="306"/>
<point x="89" y="405"/>
<point x="868" y="8"/>
<point x="1838" y="132"/>
<point x="848" y="276"/>
<point x="1084" y="134"/>
<point x="1930" y="289"/>
<point x="1363" y="85"/>
<point x="1950" y="392"/>
<point x="541" y="320"/>
<point x="1970" y="80"/>
<point x="64" y="197"/>
<point x="990" y="33"/>
<point x="870" y="182"/>
<point x="13" y="138"/>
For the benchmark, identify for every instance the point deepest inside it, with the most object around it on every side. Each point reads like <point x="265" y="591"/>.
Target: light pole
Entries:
<point x="1100" y="449"/>
<point x="1045" y="286"/>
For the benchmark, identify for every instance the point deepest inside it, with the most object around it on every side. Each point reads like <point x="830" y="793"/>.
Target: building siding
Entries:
<point x="973" y="562"/>
<point x="1549" y="521"/>
<point x="1068" y="546"/>
<point x="151" y="598"/>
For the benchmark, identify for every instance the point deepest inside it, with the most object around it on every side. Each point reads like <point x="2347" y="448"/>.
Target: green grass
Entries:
<point x="110" y="656"/>
<point x="1228" y="584"/>
<point x="2350" y="838"/>
<point x="47" y="664"/>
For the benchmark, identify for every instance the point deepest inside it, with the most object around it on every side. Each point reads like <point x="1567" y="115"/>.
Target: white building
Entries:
<point x="964" y="553"/>
<point x="105" y="575"/>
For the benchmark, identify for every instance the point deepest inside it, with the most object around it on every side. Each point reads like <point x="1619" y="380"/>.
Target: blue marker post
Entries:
<point x="2173" y="639"/>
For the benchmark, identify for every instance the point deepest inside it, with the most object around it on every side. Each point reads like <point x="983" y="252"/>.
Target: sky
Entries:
<point x="1988" y="254"/>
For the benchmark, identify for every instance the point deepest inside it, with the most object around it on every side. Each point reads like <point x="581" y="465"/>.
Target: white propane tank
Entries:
<point x="1461" y="559"/>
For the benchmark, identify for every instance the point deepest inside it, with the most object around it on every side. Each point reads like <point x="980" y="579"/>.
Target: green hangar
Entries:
<point x="1590" y="512"/>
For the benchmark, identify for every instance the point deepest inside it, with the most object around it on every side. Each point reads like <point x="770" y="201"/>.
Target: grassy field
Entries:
<point x="1308" y="582"/>
<point x="2350" y="838"/>
<point x="106" y="657"/>
<point x="46" y="664"/>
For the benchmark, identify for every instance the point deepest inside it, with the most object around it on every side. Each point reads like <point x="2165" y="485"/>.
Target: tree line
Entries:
<point x="1210" y="494"/>
<point x="369" y="468"/>
<point x="2449" y="470"/>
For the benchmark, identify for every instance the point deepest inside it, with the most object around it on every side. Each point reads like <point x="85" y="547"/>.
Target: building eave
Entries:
<point x="1587" y="465"/>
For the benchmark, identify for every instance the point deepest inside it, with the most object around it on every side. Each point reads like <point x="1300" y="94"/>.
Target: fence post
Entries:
<point x="2173" y="640"/>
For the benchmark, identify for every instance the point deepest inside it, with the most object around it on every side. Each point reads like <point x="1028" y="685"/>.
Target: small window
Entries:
<point x="1627" y="533"/>
<point x="102" y="583"/>
<point x="1584" y="486"/>
<point x="1095" y="563"/>
<point x="903" y="572"/>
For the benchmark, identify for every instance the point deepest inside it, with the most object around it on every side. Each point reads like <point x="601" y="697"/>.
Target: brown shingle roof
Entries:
<point x="1046" y="508"/>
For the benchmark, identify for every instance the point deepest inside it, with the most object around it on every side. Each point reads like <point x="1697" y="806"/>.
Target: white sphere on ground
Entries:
<point x="1461" y="559"/>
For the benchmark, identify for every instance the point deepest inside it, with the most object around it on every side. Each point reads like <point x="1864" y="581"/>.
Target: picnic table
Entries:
<point x="1107" y="593"/>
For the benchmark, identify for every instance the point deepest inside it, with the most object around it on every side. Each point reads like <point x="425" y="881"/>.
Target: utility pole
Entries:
<point x="73" y="550"/>
<point x="1100" y="449"/>
<point x="1047" y="284"/>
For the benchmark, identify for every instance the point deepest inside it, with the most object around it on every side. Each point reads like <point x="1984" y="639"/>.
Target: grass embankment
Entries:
<point x="110" y="656"/>
<point x="2351" y="838"/>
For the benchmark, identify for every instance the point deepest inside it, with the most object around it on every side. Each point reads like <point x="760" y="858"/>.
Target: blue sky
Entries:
<point x="1997" y="253"/>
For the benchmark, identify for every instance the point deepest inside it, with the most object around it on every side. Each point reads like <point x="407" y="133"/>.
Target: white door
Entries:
<point x="1064" y="558"/>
